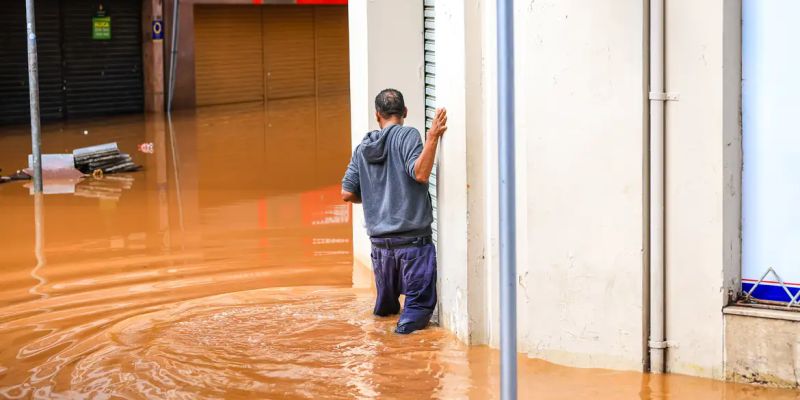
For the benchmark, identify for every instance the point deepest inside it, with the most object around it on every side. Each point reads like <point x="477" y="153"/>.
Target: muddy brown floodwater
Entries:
<point x="224" y="270"/>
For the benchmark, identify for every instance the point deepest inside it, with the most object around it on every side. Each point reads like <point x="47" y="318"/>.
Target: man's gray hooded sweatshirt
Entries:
<point x="381" y="172"/>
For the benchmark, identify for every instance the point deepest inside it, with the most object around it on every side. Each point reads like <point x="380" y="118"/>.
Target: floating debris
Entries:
<point x="55" y="166"/>
<point x="97" y="161"/>
<point x="104" y="157"/>
<point x="146" y="148"/>
<point x="17" y="176"/>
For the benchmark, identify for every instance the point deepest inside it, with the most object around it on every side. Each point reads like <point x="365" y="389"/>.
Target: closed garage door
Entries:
<point x="229" y="65"/>
<point x="265" y="53"/>
<point x="102" y="77"/>
<point x="14" y="100"/>
<point x="78" y="76"/>
<point x="290" y="52"/>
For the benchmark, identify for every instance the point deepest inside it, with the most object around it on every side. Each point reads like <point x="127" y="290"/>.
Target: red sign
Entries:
<point x="321" y="2"/>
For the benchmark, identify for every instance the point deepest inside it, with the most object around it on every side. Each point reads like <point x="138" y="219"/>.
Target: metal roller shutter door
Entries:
<point x="14" y="100"/>
<point x="102" y="77"/>
<point x="333" y="90"/>
<point x="333" y="60"/>
<point x="229" y="66"/>
<point x="256" y="53"/>
<point x="289" y="51"/>
<point x="430" y="97"/>
<point x="51" y="81"/>
<point x="13" y="64"/>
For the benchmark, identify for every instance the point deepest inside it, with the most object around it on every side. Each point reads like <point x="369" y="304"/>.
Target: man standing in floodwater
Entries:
<point x="389" y="174"/>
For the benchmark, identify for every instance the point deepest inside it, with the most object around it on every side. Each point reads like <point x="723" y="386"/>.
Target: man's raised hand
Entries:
<point x="439" y="124"/>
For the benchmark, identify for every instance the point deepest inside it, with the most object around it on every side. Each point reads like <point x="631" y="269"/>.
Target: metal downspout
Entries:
<point x="173" y="60"/>
<point x="657" y="343"/>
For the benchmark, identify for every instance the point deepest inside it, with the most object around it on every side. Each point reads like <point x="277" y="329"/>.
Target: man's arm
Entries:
<point x="351" y="185"/>
<point x="424" y="164"/>
<point x="350" y="197"/>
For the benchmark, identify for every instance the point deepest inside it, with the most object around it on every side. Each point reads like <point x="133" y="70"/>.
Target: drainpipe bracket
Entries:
<point x="662" y="345"/>
<point x="672" y="96"/>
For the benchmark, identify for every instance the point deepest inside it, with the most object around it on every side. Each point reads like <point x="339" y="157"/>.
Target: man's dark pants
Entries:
<point x="405" y="266"/>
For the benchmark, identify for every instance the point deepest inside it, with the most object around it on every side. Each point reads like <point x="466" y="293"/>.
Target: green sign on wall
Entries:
<point x="101" y="28"/>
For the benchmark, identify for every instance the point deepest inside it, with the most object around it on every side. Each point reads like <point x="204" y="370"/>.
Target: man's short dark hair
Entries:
<point x="389" y="102"/>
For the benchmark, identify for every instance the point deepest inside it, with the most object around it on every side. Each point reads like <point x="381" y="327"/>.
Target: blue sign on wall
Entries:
<point x="158" y="29"/>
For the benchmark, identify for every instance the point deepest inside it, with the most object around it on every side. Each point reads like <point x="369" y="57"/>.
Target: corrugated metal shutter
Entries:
<point x="14" y="100"/>
<point x="430" y="97"/>
<point x="333" y="90"/>
<point x="254" y="53"/>
<point x="51" y="80"/>
<point x="229" y="64"/>
<point x="289" y="50"/>
<point x="333" y="61"/>
<point x="102" y="76"/>
<point x="13" y="64"/>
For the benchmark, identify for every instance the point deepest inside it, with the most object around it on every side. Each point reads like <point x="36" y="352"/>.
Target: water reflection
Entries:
<point x="41" y="259"/>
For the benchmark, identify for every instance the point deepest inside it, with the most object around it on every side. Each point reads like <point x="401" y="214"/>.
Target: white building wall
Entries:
<point x="581" y="90"/>
<point x="467" y="226"/>
<point x="703" y="168"/>
<point x="582" y="131"/>
<point x="451" y="93"/>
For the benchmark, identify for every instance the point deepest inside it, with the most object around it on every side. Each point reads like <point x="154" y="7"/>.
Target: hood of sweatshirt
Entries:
<point x="373" y="146"/>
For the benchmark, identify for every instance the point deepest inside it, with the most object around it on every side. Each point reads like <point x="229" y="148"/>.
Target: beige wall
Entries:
<point x="762" y="346"/>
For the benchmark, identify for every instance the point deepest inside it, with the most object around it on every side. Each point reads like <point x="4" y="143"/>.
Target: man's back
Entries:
<point x="382" y="173"/>
<point x="389" y="174"/>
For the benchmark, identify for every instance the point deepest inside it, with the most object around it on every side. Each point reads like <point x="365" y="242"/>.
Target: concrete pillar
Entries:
<point x="466" y="188"/>
<point x="152" y="58"/>
<point x="703" y="192"/>
<point x="386" y="51"/>
<point x="453" y="175"/>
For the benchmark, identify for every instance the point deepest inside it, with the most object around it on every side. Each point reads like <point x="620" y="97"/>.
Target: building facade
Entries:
<point x="590" y="179"/>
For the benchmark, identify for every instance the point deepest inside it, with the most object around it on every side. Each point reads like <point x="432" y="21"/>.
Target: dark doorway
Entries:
<point x="79" y="76"/>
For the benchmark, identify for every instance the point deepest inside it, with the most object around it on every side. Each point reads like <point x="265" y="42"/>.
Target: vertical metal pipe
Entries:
<point x="173" y="60"/>
<point x="657" y="342"/>
<point x="508" y="229"/>
<point x="33" y="86"/>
